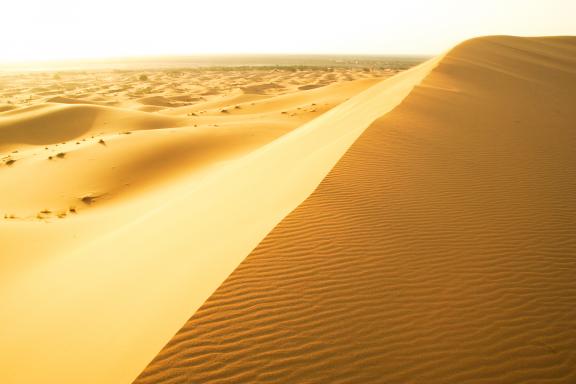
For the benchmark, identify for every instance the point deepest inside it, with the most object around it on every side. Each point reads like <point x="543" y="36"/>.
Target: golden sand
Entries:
<point x="440" y="248"/>
<point x="109" y="210"/>
<point x="412" y="229"/>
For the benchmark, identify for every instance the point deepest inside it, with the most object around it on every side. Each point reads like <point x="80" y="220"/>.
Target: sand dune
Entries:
<point x="86" y="153"/>
<point x="439" y="249"/>
<point x="51" y="124"/>
<point x="128" y="88"/>
<point x="6" y="107"/>
<point x="114" y="188"/>
<point x="416" y="228"/>
<point x="70" y="100"/>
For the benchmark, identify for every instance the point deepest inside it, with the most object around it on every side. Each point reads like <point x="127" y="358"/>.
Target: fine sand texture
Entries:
<point x="441" y="248"/>
<point x="120" y="220"/>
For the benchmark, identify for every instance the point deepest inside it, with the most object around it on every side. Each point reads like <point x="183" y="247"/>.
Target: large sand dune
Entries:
<point x="109" y="211"/>
<point x="440" y="249"/>
<point x="412" y="229"/>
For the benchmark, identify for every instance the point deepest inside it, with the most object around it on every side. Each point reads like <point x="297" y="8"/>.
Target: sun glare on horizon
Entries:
<point x="65" y="29"/>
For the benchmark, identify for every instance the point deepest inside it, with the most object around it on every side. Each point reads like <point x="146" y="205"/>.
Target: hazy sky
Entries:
<point x="56" y="29"/>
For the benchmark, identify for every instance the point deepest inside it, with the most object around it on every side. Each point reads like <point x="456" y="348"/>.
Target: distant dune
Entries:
<point x="418" y="228"/>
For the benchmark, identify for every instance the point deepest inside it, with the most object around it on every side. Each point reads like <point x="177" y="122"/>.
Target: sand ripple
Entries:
<point x="440" y="249"/>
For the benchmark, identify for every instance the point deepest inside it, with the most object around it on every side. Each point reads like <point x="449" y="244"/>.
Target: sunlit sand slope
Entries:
<point x="128" y="219"/>
<point x="440" y="249"/>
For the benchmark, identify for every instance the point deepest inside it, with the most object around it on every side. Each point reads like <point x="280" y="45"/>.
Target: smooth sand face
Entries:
<point x="439" y="249"/>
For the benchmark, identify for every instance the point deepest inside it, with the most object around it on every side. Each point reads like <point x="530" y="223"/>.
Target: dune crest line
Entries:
<point x="440" y="248"/>
<point x="111" y="303"/>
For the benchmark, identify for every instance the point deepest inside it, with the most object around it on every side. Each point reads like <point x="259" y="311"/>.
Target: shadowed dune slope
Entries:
<point x="53" y="123"/>
<point x="107" y="168"/>
<point x="439" y="249"/>
<point x="100" y="160"/>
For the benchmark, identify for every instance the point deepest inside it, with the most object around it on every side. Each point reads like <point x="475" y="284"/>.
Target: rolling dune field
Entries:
<point x="104" y="202"/>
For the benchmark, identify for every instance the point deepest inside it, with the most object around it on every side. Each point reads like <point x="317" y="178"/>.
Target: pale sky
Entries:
<point x="61" y="29"/>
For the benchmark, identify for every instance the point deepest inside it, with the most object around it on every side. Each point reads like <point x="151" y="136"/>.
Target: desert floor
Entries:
<point x="277" y="226"/>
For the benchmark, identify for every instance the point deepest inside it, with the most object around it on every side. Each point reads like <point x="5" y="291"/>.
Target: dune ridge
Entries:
<point x="82" y="151"/>
<point x="440" y="248"/>
<point x="109" y="265"/>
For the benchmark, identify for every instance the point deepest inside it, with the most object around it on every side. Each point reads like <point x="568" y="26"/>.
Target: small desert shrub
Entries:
<point x="143" y="77"/>
<point x="61" y="155"/>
